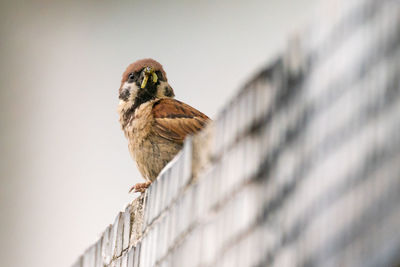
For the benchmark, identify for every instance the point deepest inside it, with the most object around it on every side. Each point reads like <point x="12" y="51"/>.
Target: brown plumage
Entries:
<point x="154" y="123"/>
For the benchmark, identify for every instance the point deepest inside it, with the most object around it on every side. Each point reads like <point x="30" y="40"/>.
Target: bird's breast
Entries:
<point x="140" y="122"/>
<point x="138" y="129"/>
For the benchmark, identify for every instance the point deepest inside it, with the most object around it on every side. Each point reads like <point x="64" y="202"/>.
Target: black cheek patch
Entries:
<point x="167" y="91"/>
<point x="124" y="95"/>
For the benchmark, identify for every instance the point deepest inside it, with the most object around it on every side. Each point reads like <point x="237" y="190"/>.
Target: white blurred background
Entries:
<point x="65" y="169"/>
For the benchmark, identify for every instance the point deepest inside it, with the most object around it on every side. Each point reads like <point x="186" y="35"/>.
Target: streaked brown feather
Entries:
<point x="173" y="120"/>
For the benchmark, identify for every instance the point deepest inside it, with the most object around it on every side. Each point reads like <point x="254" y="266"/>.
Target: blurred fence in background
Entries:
<point x="301" y="168"/>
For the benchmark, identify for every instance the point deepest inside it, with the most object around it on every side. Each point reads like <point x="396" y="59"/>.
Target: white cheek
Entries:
<point x="126" y="86"/>
<point x="132" y="88"/>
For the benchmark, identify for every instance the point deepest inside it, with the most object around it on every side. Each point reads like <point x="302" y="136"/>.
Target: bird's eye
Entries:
<point x="131" y="77"/>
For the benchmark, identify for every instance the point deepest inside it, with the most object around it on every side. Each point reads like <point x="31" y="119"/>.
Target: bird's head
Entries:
<point x="143" y="80"/>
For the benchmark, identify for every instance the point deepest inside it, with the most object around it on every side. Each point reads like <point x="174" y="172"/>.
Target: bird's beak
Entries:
<point x="147" y="72"/>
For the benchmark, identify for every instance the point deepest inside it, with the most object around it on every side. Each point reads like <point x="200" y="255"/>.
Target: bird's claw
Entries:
<point x="140" y="187"/>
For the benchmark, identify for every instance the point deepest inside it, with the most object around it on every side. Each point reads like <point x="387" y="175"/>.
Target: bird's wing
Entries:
<point x="173" y="120"/>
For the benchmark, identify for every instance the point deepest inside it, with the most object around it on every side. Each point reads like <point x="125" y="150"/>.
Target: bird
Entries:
<point x="153" y="121"/>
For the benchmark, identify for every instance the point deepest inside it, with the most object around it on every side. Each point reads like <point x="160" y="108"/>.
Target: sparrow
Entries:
<point x="154" y="123"/>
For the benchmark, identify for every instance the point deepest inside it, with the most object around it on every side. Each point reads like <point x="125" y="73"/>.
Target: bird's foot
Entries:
<point x="140" y="187"/>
